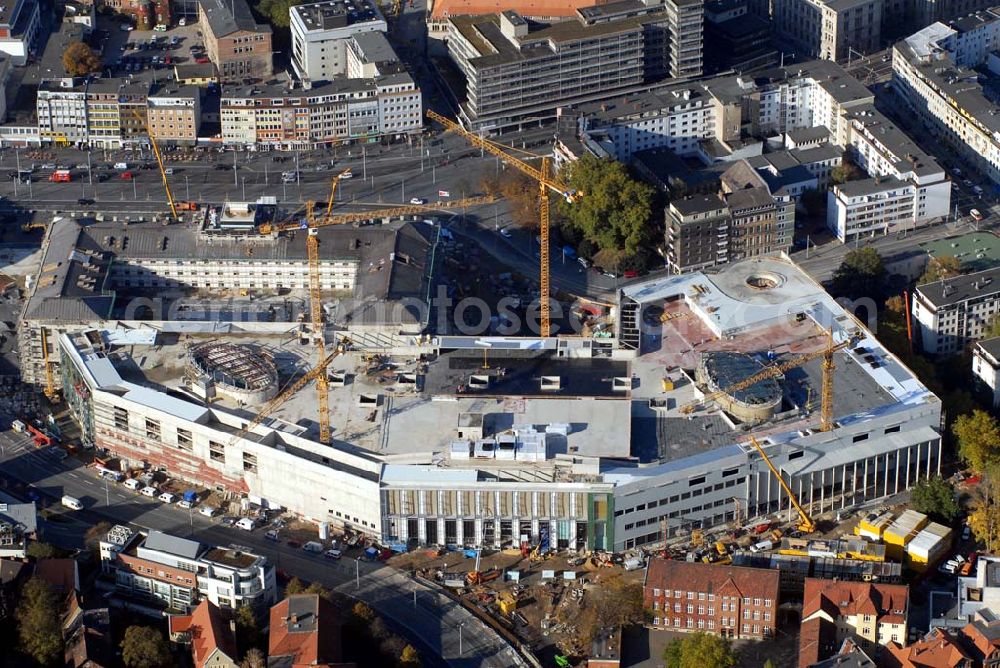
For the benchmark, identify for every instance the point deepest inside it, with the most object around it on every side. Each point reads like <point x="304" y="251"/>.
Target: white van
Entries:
<point x="633" y="564"/>
<point x="246" y="524"/>
<point x="762" y="546"/>
<point x="148" y="491"/>
<point x="121" y="165"/>
<point x="133" y="484"/>
<point x="313" y="546"/>
<point x="18" y="426"/>
<point x="207" y="511"/>
<point x="72" y="503"/>
<point x="166" y="497"/>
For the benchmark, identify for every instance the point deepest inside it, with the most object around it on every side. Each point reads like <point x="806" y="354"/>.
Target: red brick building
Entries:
<point x="730" y="601"/>
<point x="305" y="630"/>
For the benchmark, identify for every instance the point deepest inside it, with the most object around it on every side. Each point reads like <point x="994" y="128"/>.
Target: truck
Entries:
<point x="61" y="176"/>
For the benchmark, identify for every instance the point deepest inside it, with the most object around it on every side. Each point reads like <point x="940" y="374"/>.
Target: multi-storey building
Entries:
<point x="62" y="112"/>
<point x="955" y="311"/>
<point x="179" y="572"/>
<point x="335" y="111"/>
<point x="932" y="76"/>
<point x="207" y="631"/>
<point x="869" y="206"/>
<point x="174" y="114"/>
<point x="20" y="25"/>
<point x="369" y="55"/>
<point x="306" y="630"/>
<point x="741" y="40"/>
<point x="238" y="45"/>
<point x="986" y="365"/>
<point x="828" y="28"/>
<point x="321" y="32"/>
<point x="874" y="615"/>
<point x="939" y="648"/>
<point x="697" y="233"/>
<point x="730" y="601"/>
<point x="512" y="71"/>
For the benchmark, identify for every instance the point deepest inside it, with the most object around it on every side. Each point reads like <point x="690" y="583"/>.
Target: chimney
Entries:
<point x="294" y="618"/>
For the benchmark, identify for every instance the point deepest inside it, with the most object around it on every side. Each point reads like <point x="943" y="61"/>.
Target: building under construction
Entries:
<point x="243" y="373"/>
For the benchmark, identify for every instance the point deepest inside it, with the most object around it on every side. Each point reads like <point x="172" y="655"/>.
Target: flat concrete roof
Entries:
<point x="976" y="251"/>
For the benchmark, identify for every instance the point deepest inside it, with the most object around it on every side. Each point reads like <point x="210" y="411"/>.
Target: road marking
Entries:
<point x="72" y="475"/>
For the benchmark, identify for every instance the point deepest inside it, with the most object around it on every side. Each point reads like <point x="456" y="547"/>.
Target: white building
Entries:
<point x="179" y="572"/>
<point x="20" y="23"/>
<point x="321" y="32"/>
<point x="986" y="365"/>
<point x="869" y="206"/>
<point x="952" y="312"/>
<point x="931" y="73"/>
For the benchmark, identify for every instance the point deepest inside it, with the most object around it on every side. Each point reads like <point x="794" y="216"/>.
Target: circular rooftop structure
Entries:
<point x="243" y="373"/>
<point x="756" y="403"/>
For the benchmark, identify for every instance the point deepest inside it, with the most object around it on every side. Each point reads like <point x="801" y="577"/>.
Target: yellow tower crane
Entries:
<point x="806" y="525"/>
<point x="159" y="161"/>
<point x="545" y="184"/>
<point x="826" y="412"/>
<point x="50" y="386"/>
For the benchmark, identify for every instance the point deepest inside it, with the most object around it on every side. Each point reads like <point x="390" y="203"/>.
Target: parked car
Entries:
<point x="332" y="554"/>
<point x="183" y="503"/>
<point x="167" y="497"/>
<point x="207" y="511"/>
<point x="966" y="532"/>
<point x="149" y="491"/>
<point x="246" y="523"/>
<point x="505" y="233"/>
<point x="271" y="535"/>
<point x="133" y="484"/>
<point x="418" y="200"/>
<point x="313" y="546"/>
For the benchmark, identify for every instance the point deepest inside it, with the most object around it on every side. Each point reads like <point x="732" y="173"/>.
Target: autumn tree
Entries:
<point x="145" y="647"/>
<point x="39" y="550"/>
<point x="614" y="210"/>
<point x="80" y="60"/>
<point x="846" y="171"/>
<point x="317" y="588"/>
<point x="521" y="194"/>
<point x="247" y="630"/>
<point x="409" y="657"/>
<point x="940" y="268"/>
<point x="254" y="659"/>
<point x="861" y="274"/>
<point x="935" y="496"/>
<point x="697" y="650"/>
<point x="38" y="627"/>
<point x="978" y="436"/>
<point x="294" y="586"/>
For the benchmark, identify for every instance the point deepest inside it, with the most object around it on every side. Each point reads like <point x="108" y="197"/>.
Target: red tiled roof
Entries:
<point x="209" y="632"/>
<point x="983" y="639"/>
<point x="60" y="574"/>
<point x="936" y="650"/>
<point x="698" y="576"/>
<point x="887" y="602"/>
<point x="817" y="641"/>
<point x="305" y="627"/>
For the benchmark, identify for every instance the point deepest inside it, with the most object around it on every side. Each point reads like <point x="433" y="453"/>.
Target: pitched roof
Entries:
<point x="60" y="574"/>
<point x="304" y="632"/>
<point x="887" y="602"/>
<point x="209" y="632"/>
<point x="849" y="656"/>
<point x="817" y="641"/>
<point x="697" y="576"/>
<point x="982" y="637"/>
<point x="938" y="649"/>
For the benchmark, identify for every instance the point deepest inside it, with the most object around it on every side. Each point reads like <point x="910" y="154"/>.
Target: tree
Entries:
<point x="363" y="611"/>
<point x="618" y="602"/>
<point x="846" y="171"/>
<point x="94" y="534"/>
<point x="317" y="588"/>
<point x="940" y="268"/>
<point x="40" y="550"/>
<point x="978" y="436"/>
<point x="935" y="496"/>
<point x="254" y="659"/>
<point x="80" y="60"/>
<point x="698" y="650"/>
<point x="276" y="11"/>
<point x="861" y="274"/>
<point x="770" y="664"/>
<point x="145" y="647"/>
<point x="294" y="586"/>
<point x="521" y="194"/>
<point x="993" y="328"/>
<point x="409" y="658"/>
<point x="615" y="209"/>
<point x="38" y="625"/>
<point x="247" y="630"/>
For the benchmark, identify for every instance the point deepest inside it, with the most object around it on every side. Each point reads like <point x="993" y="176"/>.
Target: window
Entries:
<point x="701" y="610"/>
<point x="690" y="609"/>
<point x="216" y="451"/>
<point x="746" y="601"/>
<point x="184" y="441"/>
<point x="152" y="429"/>
<point x="756" y="601"/>
<point x="249" y="462"/>
<point x="656" y="605"/>
<point x="656" y="592"/>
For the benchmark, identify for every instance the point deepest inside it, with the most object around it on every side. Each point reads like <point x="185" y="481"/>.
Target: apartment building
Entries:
<point x="18" y="525"/>
<point x="697" y="233"/>
<point x="179" y="572"/>
<point x="20" y="29"/>
<point x="986" y="365"/>
<point x="321" y="32"/>
<point x="828" y="28"/>
<point x="512" y="71"/>
<point x="281" y="116"/>
<point x="956" y="311"/>
<point x="173" y="114"/>
<point x="868" y="207"/>
<point x="62" y="112"/>
<point x="306" y="630"/>
<point x="238" y="45"/>
<point x="872" y="615"/>
<point x="734" y="602"/>
<point x="932" y="75"/>
<point x="939" y="649"/>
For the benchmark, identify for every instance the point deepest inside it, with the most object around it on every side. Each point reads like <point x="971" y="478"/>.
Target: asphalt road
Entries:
<point x="429" y="618"/>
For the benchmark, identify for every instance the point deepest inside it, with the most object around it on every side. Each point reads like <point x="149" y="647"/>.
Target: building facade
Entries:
<point x="986" y="366"/>
<point x="827" y="29"/>
<point x="321" y="32"/>
<point x="869" y="206"/>
<point x="238" y="45"/>
<point x="873" y="614"/>
<point x="730" y="601"/>
<point x="955" y="311"/>
<point x="20" y="28"/>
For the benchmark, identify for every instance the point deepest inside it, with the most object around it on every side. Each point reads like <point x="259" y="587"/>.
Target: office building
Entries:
<point x="730" y="601"/>
<point x="20" y="30"/>
<point x="740" y="40"/>
<point x="178" y="573"/>
<point x="954" y="312"/>
<point x="238" y="45"/>
<point x="513" y="70"/>
<point x="986" y="366"/>
<point x="869" y="206"/>
<point x="829" y="29"/>
<point x="321" y="32"/>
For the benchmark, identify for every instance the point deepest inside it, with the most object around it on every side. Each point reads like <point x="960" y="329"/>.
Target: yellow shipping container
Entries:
<point x="898" y="534"/>
<point x="928" y="546"/>
<point x="872" y="526"/>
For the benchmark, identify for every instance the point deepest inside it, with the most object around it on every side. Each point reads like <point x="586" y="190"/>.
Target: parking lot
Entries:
<point x="152" y="50"/>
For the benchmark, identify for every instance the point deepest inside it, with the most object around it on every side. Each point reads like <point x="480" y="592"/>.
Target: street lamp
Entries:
<point x="460" y="652"/>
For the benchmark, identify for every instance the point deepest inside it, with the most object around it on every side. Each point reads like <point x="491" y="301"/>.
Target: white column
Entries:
<point x="909" y="461"/>
<point x="896" y="472"/>
<point x="442" y="537"/>
<point x="864" y="493"/>
<point x="929" y="446"/>
<point x="822" y="490"/>
<point x="885" y="477"/>
<point x="812" y="490"/>
<point x="459" y="529"/>
<point x="843" y="486"/>
<point x="939" y="457"/>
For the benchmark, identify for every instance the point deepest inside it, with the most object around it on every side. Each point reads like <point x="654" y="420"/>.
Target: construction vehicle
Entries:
<point x="806" y="525"/>
<point x="289" y="392"/>
<point x="545" y="183"/>
<point x="780" y="368"/>
<point x="159" y="161"/>
<point x="40" y="438"/>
